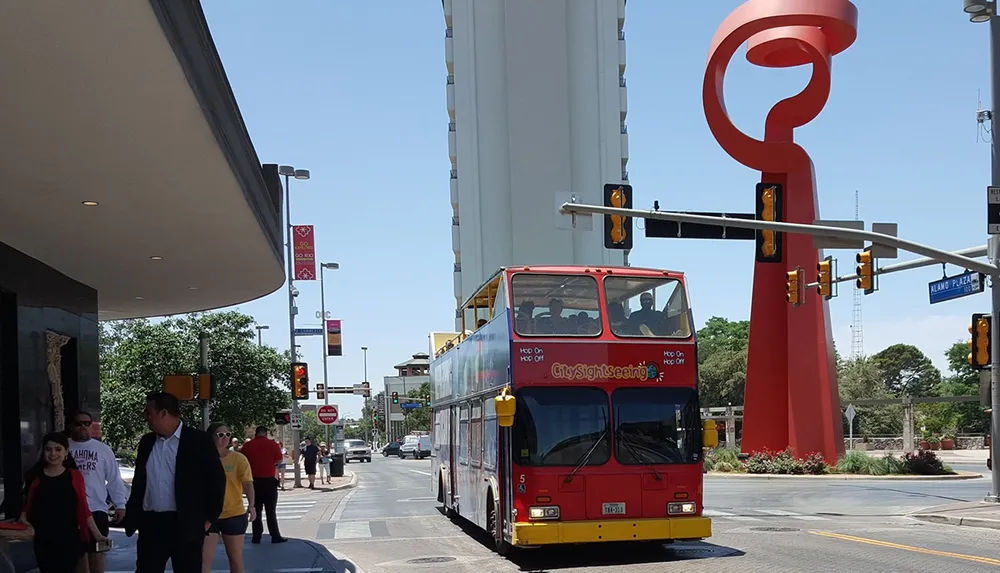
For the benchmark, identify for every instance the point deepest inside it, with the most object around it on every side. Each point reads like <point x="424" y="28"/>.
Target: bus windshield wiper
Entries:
<point x="586" y="457"/>
<point x="626" y="441"/>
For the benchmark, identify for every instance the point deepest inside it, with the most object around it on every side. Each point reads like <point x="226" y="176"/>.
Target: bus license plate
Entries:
<point x="614" y="509"/>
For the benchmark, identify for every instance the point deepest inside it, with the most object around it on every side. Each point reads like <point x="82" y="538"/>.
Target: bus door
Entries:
<point x="453" y="461"/>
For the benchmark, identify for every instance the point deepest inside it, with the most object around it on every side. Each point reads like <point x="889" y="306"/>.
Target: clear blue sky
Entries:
<point x="355" y="92"/>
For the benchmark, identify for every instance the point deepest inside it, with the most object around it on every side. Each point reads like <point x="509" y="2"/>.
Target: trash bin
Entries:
<point x="337" y="466"/>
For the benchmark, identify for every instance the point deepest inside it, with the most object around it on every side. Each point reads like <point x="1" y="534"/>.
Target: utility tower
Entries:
<point x="857" y="330"/>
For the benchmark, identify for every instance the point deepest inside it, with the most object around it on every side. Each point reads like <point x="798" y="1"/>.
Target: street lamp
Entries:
<point x="261" y="327"/>
<point x="364" y="353"/>
<point x="322" y="304"/>
<point x="301" y="174"/>
<point x="986" y="11"/>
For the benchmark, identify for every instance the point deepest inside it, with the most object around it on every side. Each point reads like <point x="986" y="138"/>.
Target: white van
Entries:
<point x="418" y="447"/>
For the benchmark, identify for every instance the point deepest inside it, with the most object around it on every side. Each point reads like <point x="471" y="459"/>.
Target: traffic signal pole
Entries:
<point x="937" y="255"/>
<point x="994" y="252"/>
<point x="296" y="411"/>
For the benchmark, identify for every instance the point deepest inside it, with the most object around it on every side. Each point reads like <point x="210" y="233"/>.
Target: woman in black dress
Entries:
<point x="56" y="508"/>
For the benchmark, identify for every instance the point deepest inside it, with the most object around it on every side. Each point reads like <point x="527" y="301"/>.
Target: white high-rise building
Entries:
<point x="537" y="104"/>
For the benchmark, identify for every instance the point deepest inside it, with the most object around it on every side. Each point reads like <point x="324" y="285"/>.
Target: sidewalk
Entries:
<point x="970" y="514"/>
<point x="297" y="555"/>
<point x="960" y="457"/>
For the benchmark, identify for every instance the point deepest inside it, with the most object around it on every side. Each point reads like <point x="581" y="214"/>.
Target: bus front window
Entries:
<point x="561" y="426"/>
<point x="656" y="426"/>
<point x="555" y="305"/>
<point x="647" y="307"/>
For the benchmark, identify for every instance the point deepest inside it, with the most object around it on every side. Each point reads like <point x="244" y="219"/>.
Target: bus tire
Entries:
<point x="492" y="524"/>
<point x="440" y="489"/>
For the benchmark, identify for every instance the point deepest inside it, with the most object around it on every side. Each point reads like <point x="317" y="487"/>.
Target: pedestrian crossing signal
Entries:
<point x="283" y="418"/>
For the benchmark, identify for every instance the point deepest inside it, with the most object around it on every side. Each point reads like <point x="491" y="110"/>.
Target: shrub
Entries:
<point x="709" y="463"/>
<point x="724" y="467"/>
<point x="814" y="464"/>
<point x="856" y="462"/>
<point x="891" y="465"/>
<point x="723" y="456"/>
<point x="760" y="463"/>
<point x="925" y="462"/>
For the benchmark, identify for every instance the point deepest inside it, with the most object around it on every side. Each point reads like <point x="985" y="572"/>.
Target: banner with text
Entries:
<point x="304" y="252"/>
<point x="333" y="343"/>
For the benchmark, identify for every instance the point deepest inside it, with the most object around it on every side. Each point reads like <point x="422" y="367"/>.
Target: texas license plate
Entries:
<point x="613" y="509"/>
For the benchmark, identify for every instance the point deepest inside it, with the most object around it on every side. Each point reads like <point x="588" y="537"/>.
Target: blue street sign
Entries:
<point x="956" y="287"/>
<point x="308" y="332"/>
<point x="409" y="406"/>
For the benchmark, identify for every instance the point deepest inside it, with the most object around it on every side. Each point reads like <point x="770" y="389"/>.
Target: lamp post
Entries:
<point x="302" y="174"/>
<point x="980" y="11"/>
<point x="260" y="328"/>
<point x="322" y="310"/>
<point x="364" y="354"/>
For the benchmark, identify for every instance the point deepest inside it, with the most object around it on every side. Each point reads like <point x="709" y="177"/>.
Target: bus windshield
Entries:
<point x="556" y="305"/>
<point x="656" y="426"/>
<point x="647" y="307"/>
<point x="560" y="426"/>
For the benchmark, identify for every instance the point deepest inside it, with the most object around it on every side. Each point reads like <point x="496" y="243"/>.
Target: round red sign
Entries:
<point x="327" y="414"/>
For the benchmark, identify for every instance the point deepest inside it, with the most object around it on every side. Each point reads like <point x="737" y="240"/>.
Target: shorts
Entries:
<point x="103" y="523"/>
<point x="311" y="467"/>
<point x="235" y="525"/>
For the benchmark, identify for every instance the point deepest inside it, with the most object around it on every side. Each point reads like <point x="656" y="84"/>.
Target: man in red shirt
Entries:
<point x="264" y="454"/>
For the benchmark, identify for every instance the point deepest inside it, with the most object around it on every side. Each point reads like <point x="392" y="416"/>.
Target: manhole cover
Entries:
<point x="774" y="529"/>
<point x="427" y="560"/>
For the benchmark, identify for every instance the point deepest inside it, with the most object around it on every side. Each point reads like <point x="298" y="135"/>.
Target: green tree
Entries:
<point x="312" y="428"/>
<point x="963" y="380"/>
<point x="722" y="361"/>
<point x="907" y="371"/>
<point x="418" y="418"/>
<point x="251" y="381"/>
<point x="861" y="379"/>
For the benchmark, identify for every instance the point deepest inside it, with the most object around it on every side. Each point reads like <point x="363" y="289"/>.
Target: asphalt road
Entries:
<point x="389" y="523"/>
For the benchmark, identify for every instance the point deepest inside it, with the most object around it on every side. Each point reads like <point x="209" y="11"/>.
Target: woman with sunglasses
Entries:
<point x="235" y="518"/>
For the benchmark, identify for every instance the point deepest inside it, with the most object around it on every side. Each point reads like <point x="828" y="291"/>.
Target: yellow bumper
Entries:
<point x="555" y="532"/>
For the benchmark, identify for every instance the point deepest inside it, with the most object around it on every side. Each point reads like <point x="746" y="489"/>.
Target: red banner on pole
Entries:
<point x="334" y="347"/>
<point x="304" y="252"/>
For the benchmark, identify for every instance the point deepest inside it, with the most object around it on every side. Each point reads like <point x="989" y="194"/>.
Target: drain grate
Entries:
<point x="429" y="560"/>
<point x="774" y="529"/>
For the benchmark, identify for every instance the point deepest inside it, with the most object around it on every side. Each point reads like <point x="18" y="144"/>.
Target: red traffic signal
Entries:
<point x="300" y="381"/>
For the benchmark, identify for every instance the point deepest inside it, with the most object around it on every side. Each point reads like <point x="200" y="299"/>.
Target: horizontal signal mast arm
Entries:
<point x="914" y="264"/>
<point x="936" y="255"/>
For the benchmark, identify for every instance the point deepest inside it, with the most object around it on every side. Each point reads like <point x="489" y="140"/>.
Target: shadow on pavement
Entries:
<point x="601" y="554"/>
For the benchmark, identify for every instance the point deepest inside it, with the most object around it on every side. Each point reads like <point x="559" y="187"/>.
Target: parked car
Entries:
<point x="357" y="450"/>
<point x="419" y="447"/>
<point x="391" y="449"/>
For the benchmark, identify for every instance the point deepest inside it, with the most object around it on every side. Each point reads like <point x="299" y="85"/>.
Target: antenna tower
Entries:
<point x="857" y="330"/>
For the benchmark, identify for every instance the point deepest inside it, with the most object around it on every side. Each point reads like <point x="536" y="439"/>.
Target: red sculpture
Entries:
<point x="791" y="387"/>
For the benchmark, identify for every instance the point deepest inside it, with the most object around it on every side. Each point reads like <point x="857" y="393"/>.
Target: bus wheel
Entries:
<point x="493" y="525"/>
<point x="440" y="489"/>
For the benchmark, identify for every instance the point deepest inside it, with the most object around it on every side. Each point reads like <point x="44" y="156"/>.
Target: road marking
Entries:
<point x="353" y="530"/>
<point x="342" y="506"/>
<point x="792" y="514"/>
<point x="731" y="516"/>
<point x="428" y="474"/>
<point x="911" y="548"/>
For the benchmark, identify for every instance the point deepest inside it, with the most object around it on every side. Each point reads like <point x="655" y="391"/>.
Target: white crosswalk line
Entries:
<point x="292" y="510"/>
<point x="729" y="516"/>
<point x="792" y="514"/>
<point x="353" y="530"/>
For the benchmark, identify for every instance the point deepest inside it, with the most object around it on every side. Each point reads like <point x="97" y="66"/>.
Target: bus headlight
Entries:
<point x="681" y="508"/>
<point x="544" y="512"/>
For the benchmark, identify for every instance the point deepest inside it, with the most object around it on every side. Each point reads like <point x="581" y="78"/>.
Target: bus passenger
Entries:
<point x="646" y="316"/>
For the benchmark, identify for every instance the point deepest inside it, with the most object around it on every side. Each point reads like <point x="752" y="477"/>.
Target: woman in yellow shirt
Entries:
<point x="232" y="524"/>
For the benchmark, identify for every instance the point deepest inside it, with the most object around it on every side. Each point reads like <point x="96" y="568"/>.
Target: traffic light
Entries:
<point x="367" y="387"/>
<point x="395" y="397"/>
<point x="300" y="381"/>
<point x="428" y="403"/>
<point x="866" y="270"/>
<point x="618" y="228"/>
<point x="769" y="208"/>
<point x="283" y="418"/>
<point x="980" y="345"/>
<point x="793" y="286"/>
<point x="320" y="391"/>
<point x="825" y="278"/>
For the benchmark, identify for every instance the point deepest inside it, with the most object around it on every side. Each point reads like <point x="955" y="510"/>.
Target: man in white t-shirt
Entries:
<point x="102" y="477"/>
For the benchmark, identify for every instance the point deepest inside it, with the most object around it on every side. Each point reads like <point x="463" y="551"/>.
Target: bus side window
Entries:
<point x="463" y="435"/>
<point x="476" y="433"/>
<point x="490" y="442"/>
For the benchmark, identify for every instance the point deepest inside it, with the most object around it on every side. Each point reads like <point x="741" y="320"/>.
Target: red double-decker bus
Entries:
<point x="602" y="440"/>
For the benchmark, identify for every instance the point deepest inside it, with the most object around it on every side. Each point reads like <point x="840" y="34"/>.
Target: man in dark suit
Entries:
<point x="177" y="490"/>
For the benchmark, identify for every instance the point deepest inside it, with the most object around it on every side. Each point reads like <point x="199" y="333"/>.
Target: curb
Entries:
<point x="954" y="520"/>
<point x="961" y="475"/>
<point x="304" y="490"/>
<point x="348" y="485"/>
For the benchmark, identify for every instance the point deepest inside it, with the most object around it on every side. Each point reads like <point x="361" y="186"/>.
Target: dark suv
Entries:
<point x="391" y="449"/>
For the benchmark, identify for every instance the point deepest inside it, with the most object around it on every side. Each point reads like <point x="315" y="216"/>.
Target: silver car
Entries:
<point x="357" y="450"/>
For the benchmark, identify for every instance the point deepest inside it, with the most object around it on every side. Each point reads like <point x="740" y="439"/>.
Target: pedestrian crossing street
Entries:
<point x="760" y="515"/>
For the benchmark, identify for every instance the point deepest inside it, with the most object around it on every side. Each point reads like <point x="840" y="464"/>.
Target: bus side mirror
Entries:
<point x="709" y="434"/>
<point x="506" y="405"/>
